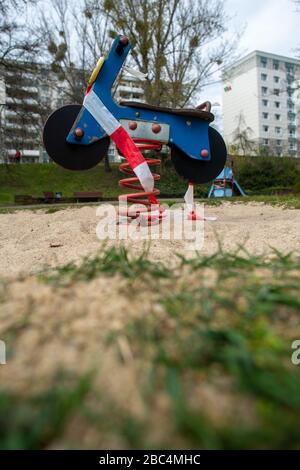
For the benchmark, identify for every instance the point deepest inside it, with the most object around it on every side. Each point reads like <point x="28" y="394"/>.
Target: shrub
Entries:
<point x="257" y="173"/>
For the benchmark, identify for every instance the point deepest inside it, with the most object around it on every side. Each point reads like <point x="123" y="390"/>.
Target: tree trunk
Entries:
<point x="107" y="167"/>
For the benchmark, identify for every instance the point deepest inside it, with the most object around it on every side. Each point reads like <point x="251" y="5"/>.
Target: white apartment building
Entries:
<point x="261" y="97"/>
<point x="128" y="89"/>
<point x="28" y="93"/>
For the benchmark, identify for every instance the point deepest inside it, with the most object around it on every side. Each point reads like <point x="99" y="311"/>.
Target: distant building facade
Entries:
<point x="128" y="89"/>
<point x="261" y="99"/>
<point x="28" y="94"/>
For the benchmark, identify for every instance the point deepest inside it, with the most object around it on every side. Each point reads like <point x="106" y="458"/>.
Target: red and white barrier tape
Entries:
<point x="121" y="138"/>
<point x="189" y="200"/>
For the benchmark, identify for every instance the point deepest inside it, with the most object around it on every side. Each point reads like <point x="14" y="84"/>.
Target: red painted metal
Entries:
<point x="132" y="125"/>
<point x="141" y="205"/>
<point x="79" y="133"/>
<point x="156" y="128"/>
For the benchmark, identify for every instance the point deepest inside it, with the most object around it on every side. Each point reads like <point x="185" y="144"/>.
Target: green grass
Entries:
<point x="285" y="201"/>
<point x="240" y="330"/>
<point x="109" y="262"/>
<point x="212" y="357"/>
<point x="254" y="175"/>
<point x="35" y="179"/>
<point x="32" y="424"/>
<point x="288" y="202"/>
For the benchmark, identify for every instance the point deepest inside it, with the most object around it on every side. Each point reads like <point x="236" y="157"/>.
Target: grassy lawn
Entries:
<point x="186" y="358"/>
<point x="35" y="179"/>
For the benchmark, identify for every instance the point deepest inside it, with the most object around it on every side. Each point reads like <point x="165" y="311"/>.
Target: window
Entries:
<point x="291" y="116"/>
<point x="277" y="104"/>
<point x="276" y="64"/>
<point x="264" y="90"/>
<point x="276" y="91"/>
<point x="264" y="77"/>
<point x="292" y="127"/>
<point x="277" y="117"/>
<point x="265" y="102"/>
<point x="263" y="62"/>
<point x="265" y="128"/>
<point x="278" y="142"/>
<point x="266" y="141"/>
<point x="292" y="132"/>
<point x="277" y="130"/>
<point x="276" y="79"/>
<point x="265" y="115"/>
<point x="289" y="67"/>
<point x="290" y="79"/>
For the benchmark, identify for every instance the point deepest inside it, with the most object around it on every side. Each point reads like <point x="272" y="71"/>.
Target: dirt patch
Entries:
<point x="30" y="241"/>
<point x="179" y="357"/>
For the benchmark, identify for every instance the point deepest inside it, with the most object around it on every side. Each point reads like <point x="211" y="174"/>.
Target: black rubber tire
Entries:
<point x="200" y="171"/>
<point x="71" y="156"/>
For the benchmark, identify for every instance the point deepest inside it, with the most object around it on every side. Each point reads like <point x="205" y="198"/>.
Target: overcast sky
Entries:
<point x="270" y="26"/>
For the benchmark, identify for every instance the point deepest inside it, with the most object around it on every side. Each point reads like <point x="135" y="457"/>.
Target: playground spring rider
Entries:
<point x="77" y="137"/>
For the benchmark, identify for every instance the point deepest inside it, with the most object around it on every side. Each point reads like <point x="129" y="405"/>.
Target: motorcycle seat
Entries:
<point x="188" y="112"/>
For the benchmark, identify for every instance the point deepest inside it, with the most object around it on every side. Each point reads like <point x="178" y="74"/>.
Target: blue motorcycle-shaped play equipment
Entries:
<point x="75" y="140"/>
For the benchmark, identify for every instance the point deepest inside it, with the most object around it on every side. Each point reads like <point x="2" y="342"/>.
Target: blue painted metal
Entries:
<point x="189" y="134"/>
<point x="217" y="191"/>
<point x="238" y="188"/>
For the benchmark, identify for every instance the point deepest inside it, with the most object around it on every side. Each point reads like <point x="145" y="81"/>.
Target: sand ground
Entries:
<point x="31" y="241"/>
<point x="50" y="328"/>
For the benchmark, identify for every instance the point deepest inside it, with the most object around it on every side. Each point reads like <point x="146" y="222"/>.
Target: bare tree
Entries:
<point x="74" y="37"/>
<point x="15" y="40"/>
<point x="179" y="43"/>
<point x="241" y="140"/>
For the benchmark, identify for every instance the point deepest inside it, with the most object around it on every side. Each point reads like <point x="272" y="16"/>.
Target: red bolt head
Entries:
<point x="124" y="40"/>
<point x="204" y="153"/>
<point x="79" y="133"/>
<point x="193" y="216"/>
<point x="132" y="125"/>
<point x="156" y="128"/>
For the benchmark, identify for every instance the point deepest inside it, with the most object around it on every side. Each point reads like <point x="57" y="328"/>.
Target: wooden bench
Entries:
<point x="23" y="199"/>
<point x="49" y="196"/>
<point x="87" y="196"/>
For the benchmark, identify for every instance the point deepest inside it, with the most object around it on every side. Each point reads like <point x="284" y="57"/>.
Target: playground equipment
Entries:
<point x="77" y="137"/>
<point x="225" y="185"/>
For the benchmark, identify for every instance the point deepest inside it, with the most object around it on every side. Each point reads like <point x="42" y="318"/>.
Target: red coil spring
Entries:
<point x="152" y="213"/>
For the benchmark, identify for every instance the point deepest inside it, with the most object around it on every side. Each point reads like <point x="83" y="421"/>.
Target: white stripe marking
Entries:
<point x="189" y="197"/>
<point x="99" y="112"/>
<point x="145" y="176"/>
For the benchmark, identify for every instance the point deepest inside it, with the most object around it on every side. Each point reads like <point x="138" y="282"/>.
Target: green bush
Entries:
<point x="296" y="187"/>
<point x="258" y="173"/>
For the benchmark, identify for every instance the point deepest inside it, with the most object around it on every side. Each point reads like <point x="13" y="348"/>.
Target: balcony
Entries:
<point x="291" y="116"/>
<point x="130" y="89"/>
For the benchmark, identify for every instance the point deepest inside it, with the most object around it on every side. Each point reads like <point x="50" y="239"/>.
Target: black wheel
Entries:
<point x="70" y="156"/>
<point x="200" y="171"/>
